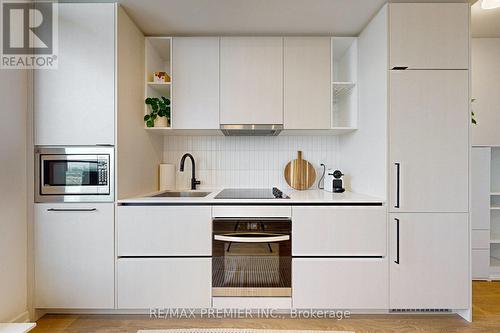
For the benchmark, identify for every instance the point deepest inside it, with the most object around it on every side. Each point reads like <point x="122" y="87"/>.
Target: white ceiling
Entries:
<point x="252" y="17"/>
<point x="274" y="17"/>
<point x="485" y="23"/>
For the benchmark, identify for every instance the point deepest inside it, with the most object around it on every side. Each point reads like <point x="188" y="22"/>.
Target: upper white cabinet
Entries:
<point x="74" y="256"/>
<point x="251" y="80"/>
<point x="195" y="76"/>
<point x="429" y="141"/>
<point x="75" y="104"/>
<point x="429" y="35"/>
<point x="429" y="267"/>
<point x="307" y="82"/>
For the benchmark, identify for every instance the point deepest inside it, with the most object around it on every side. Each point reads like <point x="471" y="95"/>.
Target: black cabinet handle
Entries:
<point x="397" y="242"/>
<point x="72" y="210"/>
<point x="398" y="171"/>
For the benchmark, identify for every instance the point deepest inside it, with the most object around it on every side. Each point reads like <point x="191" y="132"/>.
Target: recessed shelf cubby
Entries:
<point x="344" y="82"/>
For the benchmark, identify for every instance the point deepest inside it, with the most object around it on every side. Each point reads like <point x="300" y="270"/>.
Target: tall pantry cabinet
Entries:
<point x="75" y="104"/>
<point x="429" y="156"/>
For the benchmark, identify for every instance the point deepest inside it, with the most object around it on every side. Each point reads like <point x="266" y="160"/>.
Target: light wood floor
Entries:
<point x="486" y="312"/>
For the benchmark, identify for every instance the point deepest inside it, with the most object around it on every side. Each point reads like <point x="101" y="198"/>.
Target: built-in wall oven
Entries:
<point x="74" y="174"/>
<point x="252" y="257"/>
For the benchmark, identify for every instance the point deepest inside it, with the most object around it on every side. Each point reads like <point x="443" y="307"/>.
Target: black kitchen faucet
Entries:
<point x="194" y="182"/>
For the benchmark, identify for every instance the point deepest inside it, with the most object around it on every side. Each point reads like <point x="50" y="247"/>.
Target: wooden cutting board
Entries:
<point x="300" y="174"/>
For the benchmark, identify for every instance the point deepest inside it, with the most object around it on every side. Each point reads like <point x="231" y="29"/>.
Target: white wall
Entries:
<point x="486" y="90"/>
<point x="13" y="194"/>
<point x="138" y="152"/>
<point x="363" y="153"/>
<point x="247" y="161"/>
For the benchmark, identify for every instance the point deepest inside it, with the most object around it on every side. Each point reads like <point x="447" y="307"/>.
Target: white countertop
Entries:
<point x="315" y="196"/>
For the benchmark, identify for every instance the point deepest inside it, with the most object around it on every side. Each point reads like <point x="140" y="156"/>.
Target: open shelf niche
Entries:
<point x="158" y="59"/>
<point x="344" y="82"/>
<point x="495" y="214"/>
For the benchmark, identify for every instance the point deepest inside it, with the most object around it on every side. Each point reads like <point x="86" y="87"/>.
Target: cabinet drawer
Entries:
<point x="339" y="231"/>
<point x="480" y="239"/>
<point x="480" y="264"/>
<point x="340" y="283"/>
<point x="163" y="231"/>
<point x="252" y="211"/>
<point x="144" y="283"/>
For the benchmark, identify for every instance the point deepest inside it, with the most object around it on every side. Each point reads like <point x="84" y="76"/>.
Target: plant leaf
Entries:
<point x="150" y="123"/>
<point x="146" y="117"/>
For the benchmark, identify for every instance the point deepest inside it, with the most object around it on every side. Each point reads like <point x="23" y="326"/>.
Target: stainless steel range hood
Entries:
<point x="251" y="130"/>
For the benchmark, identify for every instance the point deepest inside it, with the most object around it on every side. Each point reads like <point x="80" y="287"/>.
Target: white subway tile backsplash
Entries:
<point x="246" y="161"/>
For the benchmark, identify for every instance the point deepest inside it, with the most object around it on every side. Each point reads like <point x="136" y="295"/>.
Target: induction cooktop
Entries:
<point x="251" y="193"/>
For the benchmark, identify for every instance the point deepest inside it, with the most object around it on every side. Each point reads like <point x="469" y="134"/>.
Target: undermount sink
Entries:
<point x="184" y="194"/>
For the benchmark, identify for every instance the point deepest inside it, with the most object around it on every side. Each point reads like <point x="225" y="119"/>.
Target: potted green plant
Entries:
<point x="159" y="115"/>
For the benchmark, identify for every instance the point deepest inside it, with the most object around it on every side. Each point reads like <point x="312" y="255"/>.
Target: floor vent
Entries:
<point x="420" y="311"/>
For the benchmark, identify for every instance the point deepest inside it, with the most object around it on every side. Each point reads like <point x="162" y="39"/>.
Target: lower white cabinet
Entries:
<point x="144" y="283"/>
<point x="340" y="283"/>
<point x="339" y="231"/>
<point x="164" y="231"/>
<point x="480" y="264"/>
<point x="74" y="256"/>
<point x="429" y="263"/>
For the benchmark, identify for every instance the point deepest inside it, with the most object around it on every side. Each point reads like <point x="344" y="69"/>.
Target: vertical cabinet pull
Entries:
<point x="397" y="242"/>
<point x="398" y="171"/>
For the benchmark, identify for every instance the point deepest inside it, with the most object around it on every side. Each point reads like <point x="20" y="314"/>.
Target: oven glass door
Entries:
<point x="251" y="258"/>
<point x="74" y="174"/>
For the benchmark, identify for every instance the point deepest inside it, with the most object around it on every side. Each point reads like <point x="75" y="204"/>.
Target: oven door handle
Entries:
<point x="263" y="239"/>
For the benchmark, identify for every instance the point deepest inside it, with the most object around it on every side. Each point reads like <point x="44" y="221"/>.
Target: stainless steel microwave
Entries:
<point x="74" y="174"/>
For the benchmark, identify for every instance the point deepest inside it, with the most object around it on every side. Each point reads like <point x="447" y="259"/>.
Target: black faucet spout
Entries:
<point x="194" y="182"/>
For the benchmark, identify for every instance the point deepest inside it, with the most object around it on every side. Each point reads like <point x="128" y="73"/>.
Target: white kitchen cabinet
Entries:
<point x="429" y="35"/>
<point x="74" y="256"/>
<point x="251" y="80"/>
<point x="480" y="187"/>
<point x="195" y="77"/>
<point x="145" y="283"/>
<point x="480" y="264"/>
<point x="340" y="283"/>
<point x="480" y="239"/>
<point x="339" y="231"/>
<point x="75" y="104"/>
<point x="429" y="141"/>
<point x="429" y="261"/>
<point x="307" y="82"/>
<point x="163" y="231"/>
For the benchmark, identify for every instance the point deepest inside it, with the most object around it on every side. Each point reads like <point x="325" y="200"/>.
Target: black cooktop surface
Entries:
<point x="251" y="193"/>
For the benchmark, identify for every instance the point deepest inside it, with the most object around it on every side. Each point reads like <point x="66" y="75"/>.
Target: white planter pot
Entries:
<point x="161" y="122"/>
